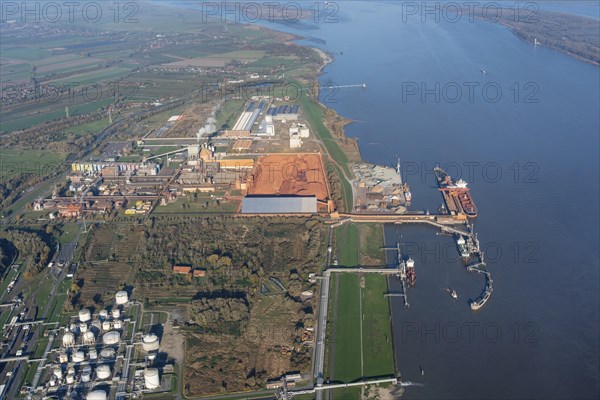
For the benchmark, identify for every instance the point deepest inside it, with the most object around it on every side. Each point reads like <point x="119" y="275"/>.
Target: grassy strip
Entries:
<point x="377" y="344"/>
<point x="347" y="241"/>
<point x="314" y="115"/>
<point x="347" y="351"/>
<point x="371" y="241"/>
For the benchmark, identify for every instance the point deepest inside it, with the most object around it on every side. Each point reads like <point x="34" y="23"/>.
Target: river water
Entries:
<point x="530" y="155"/>
<point x="526" y="138"/>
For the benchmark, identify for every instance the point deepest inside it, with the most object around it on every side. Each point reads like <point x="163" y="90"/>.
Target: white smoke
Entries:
<point x="211" y="121"/>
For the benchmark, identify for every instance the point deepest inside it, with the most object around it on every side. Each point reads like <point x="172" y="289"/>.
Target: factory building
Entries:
<point x="279" y="205"/>
<point x="285" y="112"/>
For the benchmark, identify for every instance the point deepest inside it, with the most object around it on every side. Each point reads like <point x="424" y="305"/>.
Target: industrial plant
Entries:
<point x="101" y="355"/>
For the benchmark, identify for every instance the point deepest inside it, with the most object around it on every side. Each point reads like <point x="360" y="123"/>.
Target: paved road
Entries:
<point x="322" y="320"/>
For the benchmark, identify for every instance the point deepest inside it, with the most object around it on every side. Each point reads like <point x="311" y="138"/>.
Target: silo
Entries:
<point x="85" y="315"/>
<point x="103" y="372"/>
<point x="150" y="342"/>
<point x="151" y="378"/>
<point x="121" y="297"/>
<point x="111" y="337"/>
<point x="68" y="339"/>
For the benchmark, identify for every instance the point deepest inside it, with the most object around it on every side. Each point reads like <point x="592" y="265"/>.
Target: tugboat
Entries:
<point x="411" y="275"/>
<point x="463" y="248"/>
<point x="452" y="293"/>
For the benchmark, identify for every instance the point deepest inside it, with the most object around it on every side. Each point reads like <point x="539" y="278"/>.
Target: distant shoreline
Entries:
<point x="570" y="34"/>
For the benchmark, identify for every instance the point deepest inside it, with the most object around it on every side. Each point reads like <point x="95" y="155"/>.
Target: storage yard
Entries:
<point x="290" y="174"/>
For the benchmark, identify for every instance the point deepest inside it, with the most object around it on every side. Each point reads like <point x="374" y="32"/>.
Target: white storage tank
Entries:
<point x="85" y="315"/>
<point x="107" y="354"/>
<point x="103" y="372"/>
<point x="106" y="326"/>
<point x="63" y="358"/>
<point x="89" y="338"/>
<point x="74" y="328"/>
<point x="58" y="373"/>
<point x="116" y="313"/>
<point x="103" y="315"/>
<point x="111" y="337"/>
<point x="71" y="371"/>
<point x="83" y="327"/>
<point x="96" y="395"/>
<point x="96" y="327"/>
<point x="150" y="342"/>
<point x="151" y="378"/>
<point x="68" y="339"/>
<point x="117" y="324"/>
<point x="93" y="354"/>
<point x="78" y="357"/>
<point x="86" y="374"/>
<point x="70" y="379"/>
<point x="121" y="297"/>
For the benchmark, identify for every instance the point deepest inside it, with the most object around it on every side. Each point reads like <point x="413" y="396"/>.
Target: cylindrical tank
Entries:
<point x="121" y="297"/>
<point x="111" y="337"/>
<point x="116" y="313"/>
<point x="63" y="358"/>
<point x="71" y="371"/>
<point x="96" y="327"/>
<point x="70" y="379"/>
<point x="74" y="328"/>
<point x="85" y="315"/>
<point x="150" y="342"/>
<point x="107" y="354"/>
<point x="96" y="395"/>
<point x="86" y="376"/>
<point x="83" y="327"/>
<point x="58" y="373"/>
<point x="89" y="338"/>
<point x="53" y="381"/>
<point x="68" y="339"/>
<point x="78" y="356"/>
<point x="103" y="372"/>
<point x="117" y="324"/>
<point x="106" y="326"/>
<point x="93" y="354"/>
<point x="103" y="315"/>
<point x="151" y="378"/>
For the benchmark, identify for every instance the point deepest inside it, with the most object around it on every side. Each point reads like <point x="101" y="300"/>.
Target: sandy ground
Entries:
<point x="290" y="174"/>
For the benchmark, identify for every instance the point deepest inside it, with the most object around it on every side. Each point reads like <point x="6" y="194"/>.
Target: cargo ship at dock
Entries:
<point x="456" y="195"/>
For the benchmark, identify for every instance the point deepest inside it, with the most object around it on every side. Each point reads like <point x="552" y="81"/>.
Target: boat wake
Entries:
<point x="409" y="383"/>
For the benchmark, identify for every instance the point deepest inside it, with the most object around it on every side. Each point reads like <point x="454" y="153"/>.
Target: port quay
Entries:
<point x="453" y="220"/>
